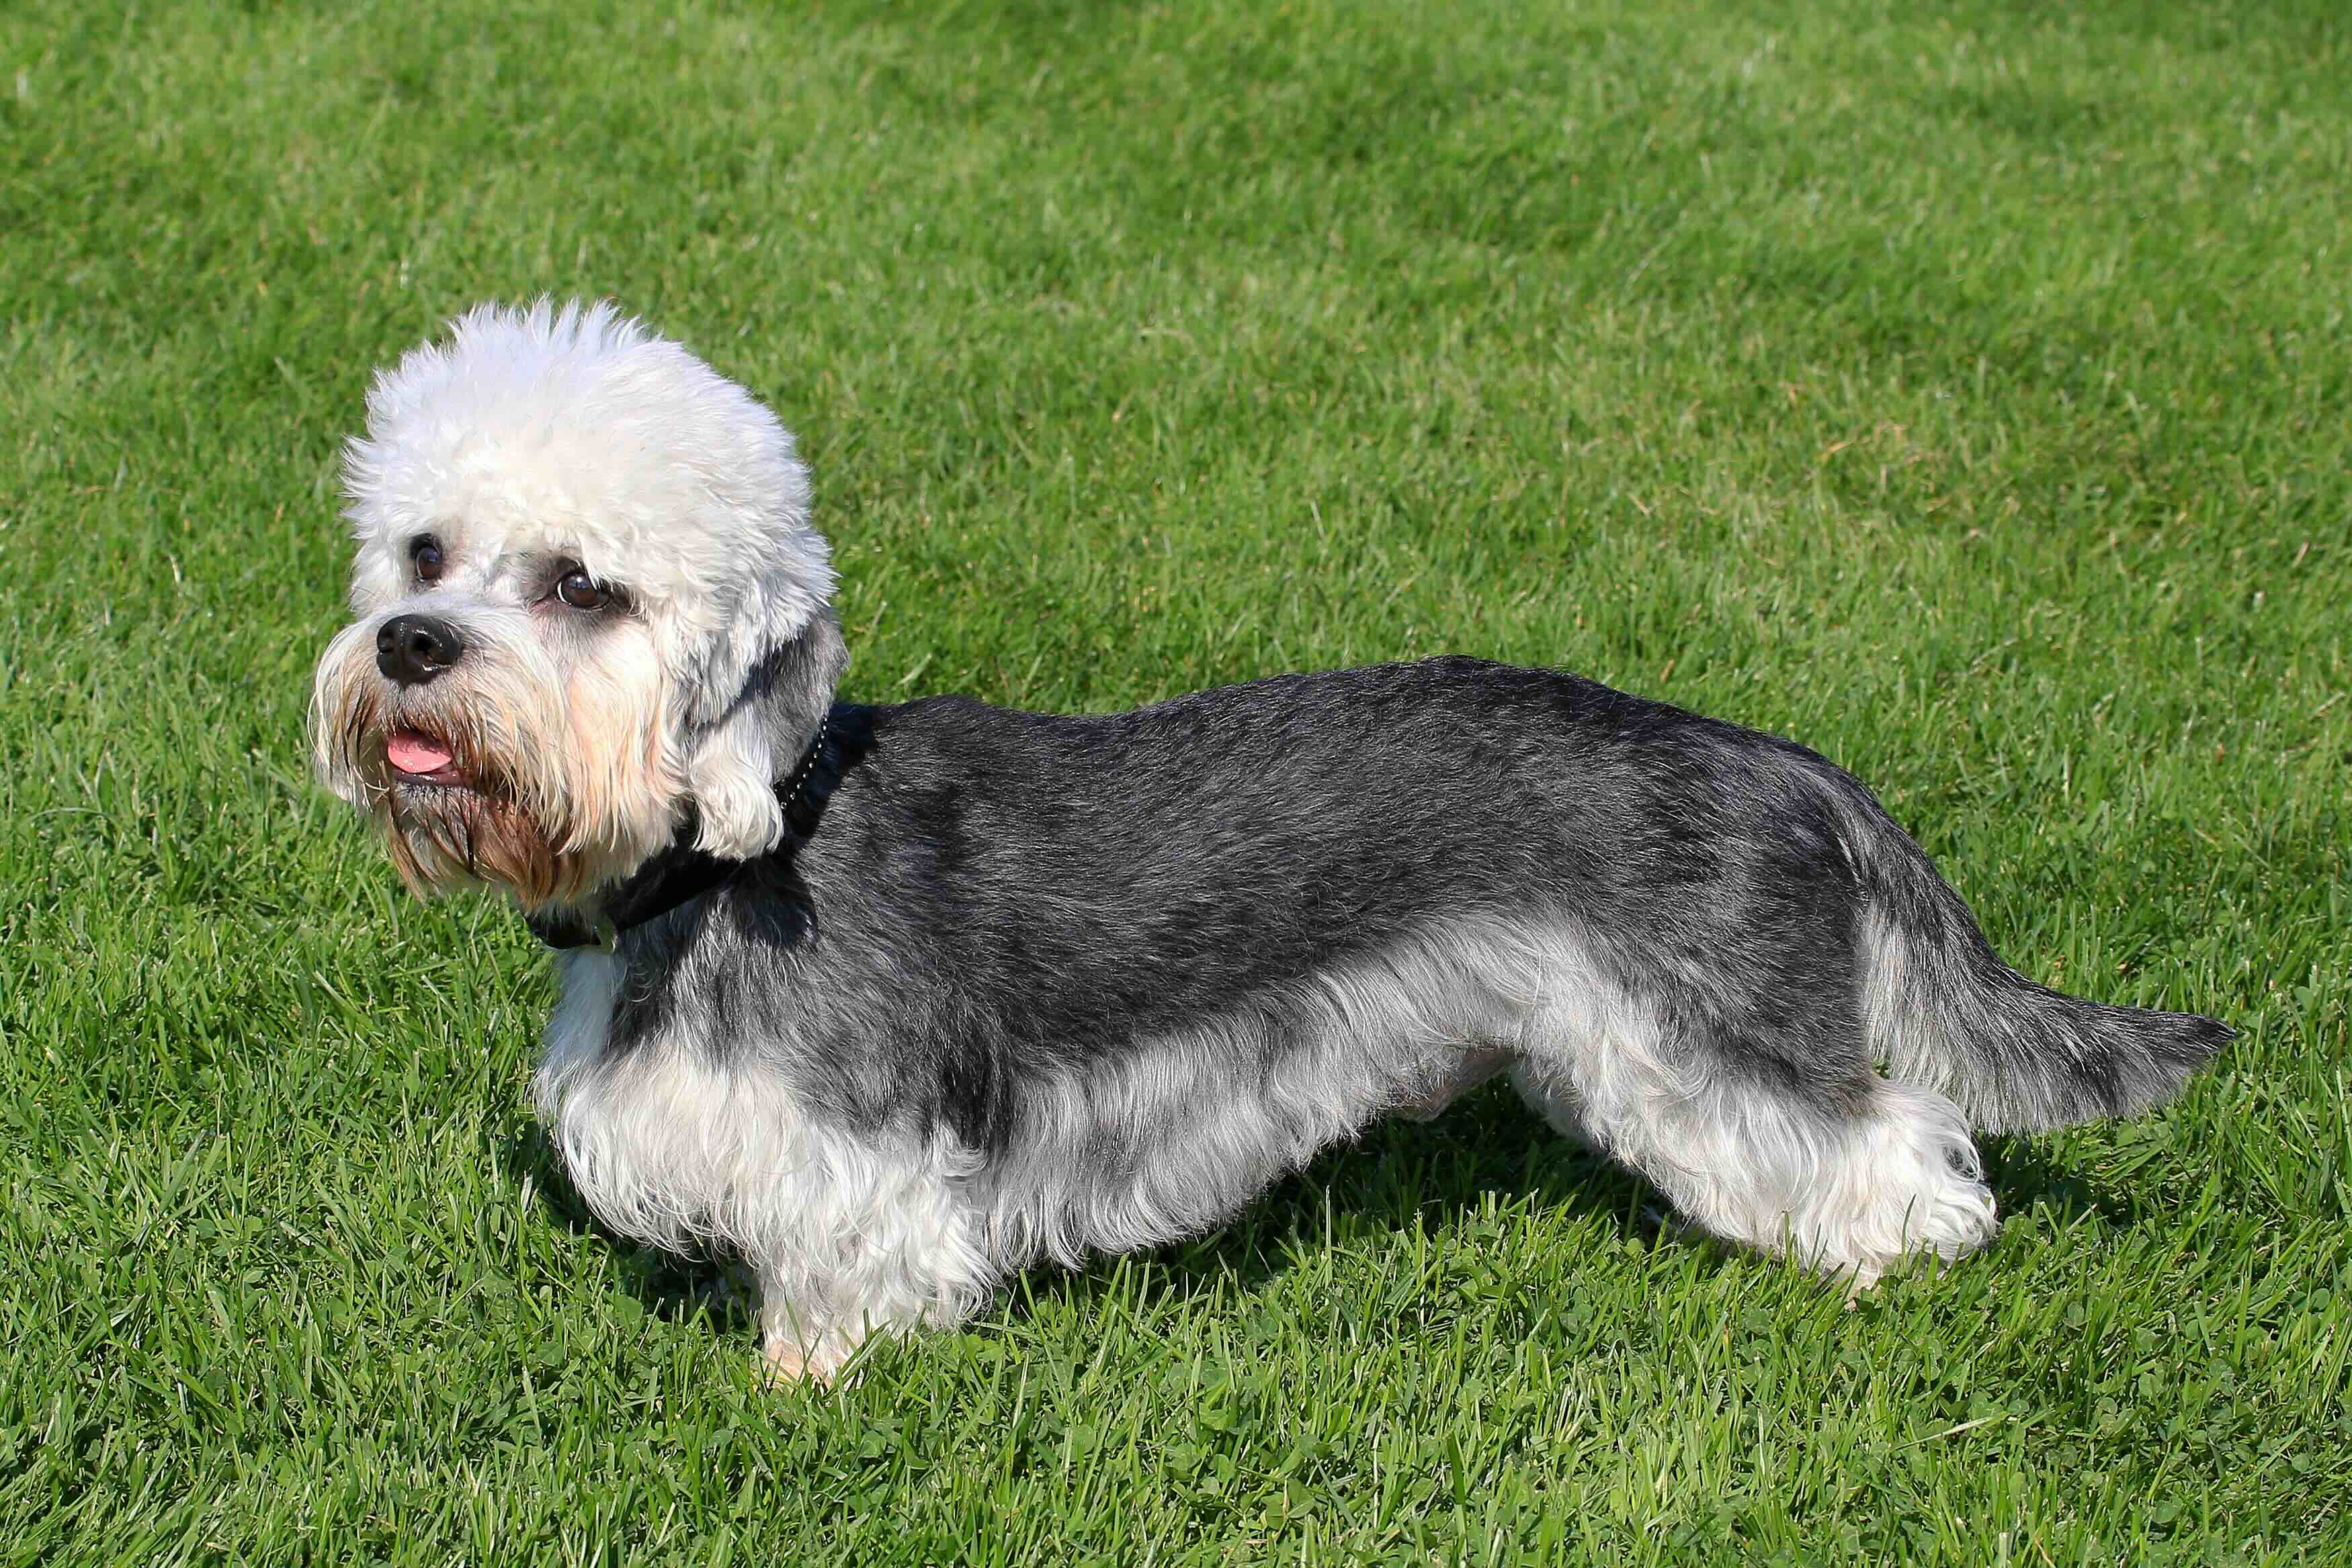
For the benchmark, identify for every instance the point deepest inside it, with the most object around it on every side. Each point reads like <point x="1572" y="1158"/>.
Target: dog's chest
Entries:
<point x="677" y="1141"/>
<point x="667" y="1138"/>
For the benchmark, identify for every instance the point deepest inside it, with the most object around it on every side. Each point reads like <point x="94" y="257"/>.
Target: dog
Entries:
<point x="892" y="1001"/>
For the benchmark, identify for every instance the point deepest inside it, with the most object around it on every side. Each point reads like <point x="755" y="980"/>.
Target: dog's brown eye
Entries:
<point x="580" y="591"/>
<point x="425" y="556"/>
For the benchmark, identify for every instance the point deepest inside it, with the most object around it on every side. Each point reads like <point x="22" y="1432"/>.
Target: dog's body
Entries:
<point x="979" y="987"/>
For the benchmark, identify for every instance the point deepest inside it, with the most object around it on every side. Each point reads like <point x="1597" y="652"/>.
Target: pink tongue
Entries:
<point x="414" y="753"/>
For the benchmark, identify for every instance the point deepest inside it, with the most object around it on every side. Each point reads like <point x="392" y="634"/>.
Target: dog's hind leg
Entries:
<point x="1849" y="1182"/>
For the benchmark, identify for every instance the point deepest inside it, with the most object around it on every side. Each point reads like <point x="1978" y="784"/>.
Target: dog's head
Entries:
<point x="588" y="608"/>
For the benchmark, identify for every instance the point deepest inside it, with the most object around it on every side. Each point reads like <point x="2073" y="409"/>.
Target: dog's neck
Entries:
<point x="681" y="873"/>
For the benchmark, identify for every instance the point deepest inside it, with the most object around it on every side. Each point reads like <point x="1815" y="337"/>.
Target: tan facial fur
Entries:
<point x="559" y="729"/>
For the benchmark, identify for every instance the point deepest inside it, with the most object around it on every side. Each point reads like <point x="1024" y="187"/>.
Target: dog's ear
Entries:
<point x="736" y="755"/>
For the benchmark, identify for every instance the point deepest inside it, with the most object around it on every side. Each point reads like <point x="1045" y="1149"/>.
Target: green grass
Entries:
<point x="1962" y="391"/>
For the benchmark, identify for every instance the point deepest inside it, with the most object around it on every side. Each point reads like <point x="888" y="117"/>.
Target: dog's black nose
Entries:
<point x="412" y="649"/>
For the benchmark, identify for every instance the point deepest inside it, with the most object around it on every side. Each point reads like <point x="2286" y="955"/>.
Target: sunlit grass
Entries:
<point x="1962" y="391"/>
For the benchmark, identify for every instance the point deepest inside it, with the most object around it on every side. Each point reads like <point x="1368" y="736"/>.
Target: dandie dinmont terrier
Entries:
<point x="893" y="1001"/>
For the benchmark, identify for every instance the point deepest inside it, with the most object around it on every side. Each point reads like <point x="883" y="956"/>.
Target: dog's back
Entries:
<point x="1140" y="963"/>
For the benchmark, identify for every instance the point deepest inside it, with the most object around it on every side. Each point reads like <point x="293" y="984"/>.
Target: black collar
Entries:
<point x="682" y="873"/>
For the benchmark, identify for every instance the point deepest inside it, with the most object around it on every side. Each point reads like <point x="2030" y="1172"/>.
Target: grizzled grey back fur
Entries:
<point x="1064" y="887"/>
<point x="1105" y="977"/>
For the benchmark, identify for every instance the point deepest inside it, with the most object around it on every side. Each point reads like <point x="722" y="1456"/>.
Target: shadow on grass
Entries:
<point x="673" y="1286"/>
<point x="1435" y="1177"/>
<point x="2024" y="1178"/>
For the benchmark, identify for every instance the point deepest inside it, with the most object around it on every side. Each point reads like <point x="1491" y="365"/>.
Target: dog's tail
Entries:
<point x="1945" y="1013"/>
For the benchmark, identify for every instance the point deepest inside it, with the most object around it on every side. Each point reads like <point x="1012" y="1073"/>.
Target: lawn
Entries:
<point x="1964" y="391"/>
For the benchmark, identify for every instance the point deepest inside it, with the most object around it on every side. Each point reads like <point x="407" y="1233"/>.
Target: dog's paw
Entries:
<point x="784" y="1363"/>
<point x="787" y="1362"/>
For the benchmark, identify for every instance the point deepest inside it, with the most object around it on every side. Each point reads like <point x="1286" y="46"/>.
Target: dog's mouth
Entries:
<point x="450" y="820"/>
<point x="416" y="757"/>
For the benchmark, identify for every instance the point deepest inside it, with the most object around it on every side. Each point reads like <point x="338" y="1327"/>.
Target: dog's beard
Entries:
<point x="446" y="833"/>
<point x="439" y="836"/>
<point x="523" y="802"/>
<point x="468" y="825"/>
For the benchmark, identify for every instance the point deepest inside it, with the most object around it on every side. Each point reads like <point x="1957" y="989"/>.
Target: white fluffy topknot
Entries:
<point x="577" y="429"/>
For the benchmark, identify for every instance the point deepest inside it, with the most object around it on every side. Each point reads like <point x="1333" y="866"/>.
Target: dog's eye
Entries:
<point x="580" y="591"/>
<point x="425" y="555"/>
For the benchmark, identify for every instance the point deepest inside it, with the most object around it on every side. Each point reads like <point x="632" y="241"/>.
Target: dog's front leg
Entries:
<point x="816" y="1307"/>
<point x="793" y="1358"/>
<point x="890" y="1250"/>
